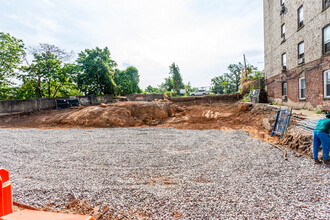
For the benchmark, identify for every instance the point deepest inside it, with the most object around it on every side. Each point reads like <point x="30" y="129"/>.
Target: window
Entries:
<point x="302" y="87"/>
<point x="284" y="60"/>
<point x="301" y="52"/>
<point x="282" y="2"/>
<point x="300" y="17"/>
<point x="283" y="31"/>
<point x="285" y="88"/>
<point x="326" y="4"/>
<point x="327" y="83"/>
<point x="326" y="39"/>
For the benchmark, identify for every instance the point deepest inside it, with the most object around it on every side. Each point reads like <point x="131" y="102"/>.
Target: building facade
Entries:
<point x="297" y="52"/>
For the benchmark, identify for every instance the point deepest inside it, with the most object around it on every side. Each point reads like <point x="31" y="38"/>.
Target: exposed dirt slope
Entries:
<point x="195" y="114"/>
<point x="125" y="114"/>
<point x="192" y="115"/>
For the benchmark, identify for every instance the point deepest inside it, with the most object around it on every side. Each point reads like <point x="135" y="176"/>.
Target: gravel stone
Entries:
<point x="164" y="173"/>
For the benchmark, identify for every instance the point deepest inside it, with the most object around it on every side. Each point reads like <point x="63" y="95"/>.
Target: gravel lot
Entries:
<point x="164" y="172"/>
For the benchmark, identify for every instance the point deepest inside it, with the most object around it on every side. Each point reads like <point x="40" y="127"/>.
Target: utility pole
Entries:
<point x="245" y="65"/>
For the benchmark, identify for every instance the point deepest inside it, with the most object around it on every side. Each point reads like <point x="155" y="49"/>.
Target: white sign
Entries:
<point x="182" y="91"/>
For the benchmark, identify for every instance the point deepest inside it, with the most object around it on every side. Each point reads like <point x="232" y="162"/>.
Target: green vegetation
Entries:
<point x="228" y="82"/>
<point x="95" y="75"/>
<point x="246" y="98"/>
<point x="176" y="78"/>
<point x="127" y="81"/>
<point x="171" y="85"/>
<point x="231" y="82"/>
<point x="50" y="75"/>
<point x="11" y="56"/>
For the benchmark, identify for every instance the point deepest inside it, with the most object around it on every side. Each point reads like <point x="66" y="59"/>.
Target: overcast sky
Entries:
<point x="201" y="36"/>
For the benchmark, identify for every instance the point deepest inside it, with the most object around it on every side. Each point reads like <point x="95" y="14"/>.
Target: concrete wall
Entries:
<point x="144" y="97"/>
<point x="208" y="98"/>
<point x="315" y="19"/>
<point x="31" y="105"/>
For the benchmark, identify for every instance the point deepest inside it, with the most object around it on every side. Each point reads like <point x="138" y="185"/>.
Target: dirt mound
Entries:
<point x="243" y="106"/>
<point x="125" y="114"/>
<point x="225" y="115"/>
<point x="256" y="119"/>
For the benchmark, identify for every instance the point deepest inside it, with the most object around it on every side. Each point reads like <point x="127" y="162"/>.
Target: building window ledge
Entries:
<point x="326" y="98"/>
<point x="302" y="100"/>
<point x="301" y="27"/>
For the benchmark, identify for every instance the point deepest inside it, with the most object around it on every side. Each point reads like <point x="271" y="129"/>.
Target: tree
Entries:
<point x="152" y="90"/>
<point x="218" y="84"/>
<point x="176" y="78"/>
<point x="235" y="75"/>
<point x="228" y="82"/>
<point x="45" y="48"/>
<point x="45" y="71"/>
<point x="127" y="81"/>
<point x="189" y="89"/>
<point x="96" y="74"/>
<point x="26" y="90"/>
<point x="167" y="85"/>
<point x="11" y="55"/>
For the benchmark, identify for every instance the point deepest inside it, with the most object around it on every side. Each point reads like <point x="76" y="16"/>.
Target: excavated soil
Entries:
<point x="199" y="115"/>
<point x="193" y="114"/>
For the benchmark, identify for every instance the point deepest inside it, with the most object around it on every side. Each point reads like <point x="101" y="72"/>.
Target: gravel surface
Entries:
<point x="164" y="173"/>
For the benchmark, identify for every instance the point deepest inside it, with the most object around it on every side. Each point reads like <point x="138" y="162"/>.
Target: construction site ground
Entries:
<point x="196" y="159"/>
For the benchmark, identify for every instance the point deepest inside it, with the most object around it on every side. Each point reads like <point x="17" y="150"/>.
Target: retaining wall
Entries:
<point x="208" y="98"/>
<point x="144" y="97"/>
<point x="31" y="105"/>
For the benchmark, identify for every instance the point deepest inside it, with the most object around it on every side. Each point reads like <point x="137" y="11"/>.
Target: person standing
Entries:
<point x="321" y="137"/>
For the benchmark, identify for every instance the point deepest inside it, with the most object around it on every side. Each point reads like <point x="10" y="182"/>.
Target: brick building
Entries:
<point x="297" y="52"/>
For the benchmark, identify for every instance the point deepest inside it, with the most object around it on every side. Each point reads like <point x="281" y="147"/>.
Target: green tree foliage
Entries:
<point x="48" y="77"/>
<point x="222" y="85"/>
<point x="176" y="78"/>
<point x="65" y="85"/>
<point x="228" y="82"/>
<point x="127" y="81"/>
<point x="11" y="55"/>
<point x="26" y="90"/>
<point x="167" y="85"/>
<point x="153" y="90"/>
<point x="235" y="75"/>
<point x="45" y="72"/>
<point x="96" y="74"/>
<point x="189" y="89"/>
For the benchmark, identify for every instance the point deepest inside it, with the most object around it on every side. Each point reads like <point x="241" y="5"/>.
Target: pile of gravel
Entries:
<point x="164" y="173"/>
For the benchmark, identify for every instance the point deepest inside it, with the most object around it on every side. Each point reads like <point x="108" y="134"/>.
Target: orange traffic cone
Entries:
<point x="6" y="202"/>
<point x="6" y="206"/>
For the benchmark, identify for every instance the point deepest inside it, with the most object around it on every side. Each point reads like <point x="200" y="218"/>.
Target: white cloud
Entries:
<point x="202" y="36"/>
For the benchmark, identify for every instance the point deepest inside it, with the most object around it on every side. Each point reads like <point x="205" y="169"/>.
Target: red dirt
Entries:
<point x="222" y="115"/>
<point x="196" y="114"/>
